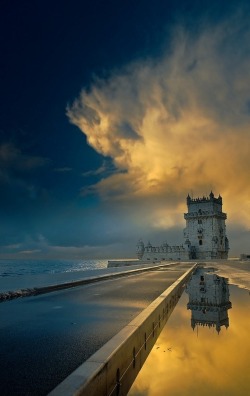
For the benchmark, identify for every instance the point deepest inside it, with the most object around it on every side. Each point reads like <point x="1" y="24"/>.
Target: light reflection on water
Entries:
<point x="204" y="349"/>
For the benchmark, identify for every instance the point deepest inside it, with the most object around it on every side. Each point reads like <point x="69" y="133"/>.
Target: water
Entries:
<point x="204" y="348"/>
<point x="23" y="274"/>
<point x="36" y="267"/>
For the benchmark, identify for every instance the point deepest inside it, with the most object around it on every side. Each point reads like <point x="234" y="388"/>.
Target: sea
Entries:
<point x="22" y="274"/>
<point x="10" y="268"/>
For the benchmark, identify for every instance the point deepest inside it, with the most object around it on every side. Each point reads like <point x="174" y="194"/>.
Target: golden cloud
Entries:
<point x="177" y="124"/>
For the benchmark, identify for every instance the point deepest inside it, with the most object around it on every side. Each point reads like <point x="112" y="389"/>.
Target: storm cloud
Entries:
<point x="176" y="124"/>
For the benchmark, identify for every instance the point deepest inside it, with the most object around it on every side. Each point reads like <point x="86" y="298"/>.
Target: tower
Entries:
<point x="205" y="232"/>
<point x="208" y="299"/>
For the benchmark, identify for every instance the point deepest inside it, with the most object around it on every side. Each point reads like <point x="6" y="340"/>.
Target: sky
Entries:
<point x="111" y="113"/>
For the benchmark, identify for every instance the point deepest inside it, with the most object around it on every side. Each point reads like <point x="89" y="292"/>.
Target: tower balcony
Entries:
<point x="205" y="214"/>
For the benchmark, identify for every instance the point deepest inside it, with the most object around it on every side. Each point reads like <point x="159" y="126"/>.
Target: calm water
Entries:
<point x="203" y="350"/>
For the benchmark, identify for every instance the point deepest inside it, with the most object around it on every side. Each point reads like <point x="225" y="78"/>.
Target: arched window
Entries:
<point x="200" y="242"/>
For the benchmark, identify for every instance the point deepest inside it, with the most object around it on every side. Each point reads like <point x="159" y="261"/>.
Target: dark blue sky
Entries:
<point x="50" y="51"/>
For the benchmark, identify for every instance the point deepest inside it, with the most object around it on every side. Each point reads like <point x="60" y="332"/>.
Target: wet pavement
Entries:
<point x="44" y="338"/>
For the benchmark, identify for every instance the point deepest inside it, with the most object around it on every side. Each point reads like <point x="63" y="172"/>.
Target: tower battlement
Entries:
<point x="204" y="236"/>
<point x="210" y="198"/>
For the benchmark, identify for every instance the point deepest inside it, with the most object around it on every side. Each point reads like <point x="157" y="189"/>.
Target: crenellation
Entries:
<point x="204" y="236"/>
<point x="208" y="299"/>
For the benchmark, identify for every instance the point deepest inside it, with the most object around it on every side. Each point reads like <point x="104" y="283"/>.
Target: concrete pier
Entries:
<point x="113" y="369"/>
<point x="126" y="263"/>
<point x="117" y="272"/>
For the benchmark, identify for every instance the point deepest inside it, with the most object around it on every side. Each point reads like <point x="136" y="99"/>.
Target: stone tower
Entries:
<point x="205" y="232"/>
<point x="208" y="299"/>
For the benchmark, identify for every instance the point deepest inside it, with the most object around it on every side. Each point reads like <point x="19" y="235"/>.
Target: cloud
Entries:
<point x="176" y="124"/>
<point x="30" y="252"/>
<point x="106" y="168"/>
<point x="16" y="168"/>
<point x="13" y="246"/>
<point x="11" y="158"/>
<point x="25" y="244"/>
<point x="20" y="177"/>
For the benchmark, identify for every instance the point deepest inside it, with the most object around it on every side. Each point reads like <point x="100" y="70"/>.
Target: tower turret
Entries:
<point x="205" y="228"/>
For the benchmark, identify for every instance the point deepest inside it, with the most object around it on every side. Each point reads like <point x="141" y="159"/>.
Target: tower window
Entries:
<point x="200" y="242"/>
<point x="199" y="221"/>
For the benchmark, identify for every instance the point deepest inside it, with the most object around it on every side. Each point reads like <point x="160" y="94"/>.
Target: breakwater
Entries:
<point x="13" y="294"/>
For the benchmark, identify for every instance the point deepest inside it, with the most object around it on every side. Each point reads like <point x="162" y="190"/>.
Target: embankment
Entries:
<point x="113" y="369"/>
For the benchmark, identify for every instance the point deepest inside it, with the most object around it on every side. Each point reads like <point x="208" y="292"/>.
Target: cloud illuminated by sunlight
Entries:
<point x="177" y="124"/>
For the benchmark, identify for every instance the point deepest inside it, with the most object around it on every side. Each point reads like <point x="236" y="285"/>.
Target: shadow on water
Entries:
<point x="198" y="353"/>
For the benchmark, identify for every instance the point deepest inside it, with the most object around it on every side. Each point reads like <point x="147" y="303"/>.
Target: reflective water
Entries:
<point x="10" y="268"/>
<point x="27" y="274"/>
<point x="204" y="348"/>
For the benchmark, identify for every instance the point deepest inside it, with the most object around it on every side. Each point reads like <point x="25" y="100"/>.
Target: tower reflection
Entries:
<point x="208" y="299"/>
